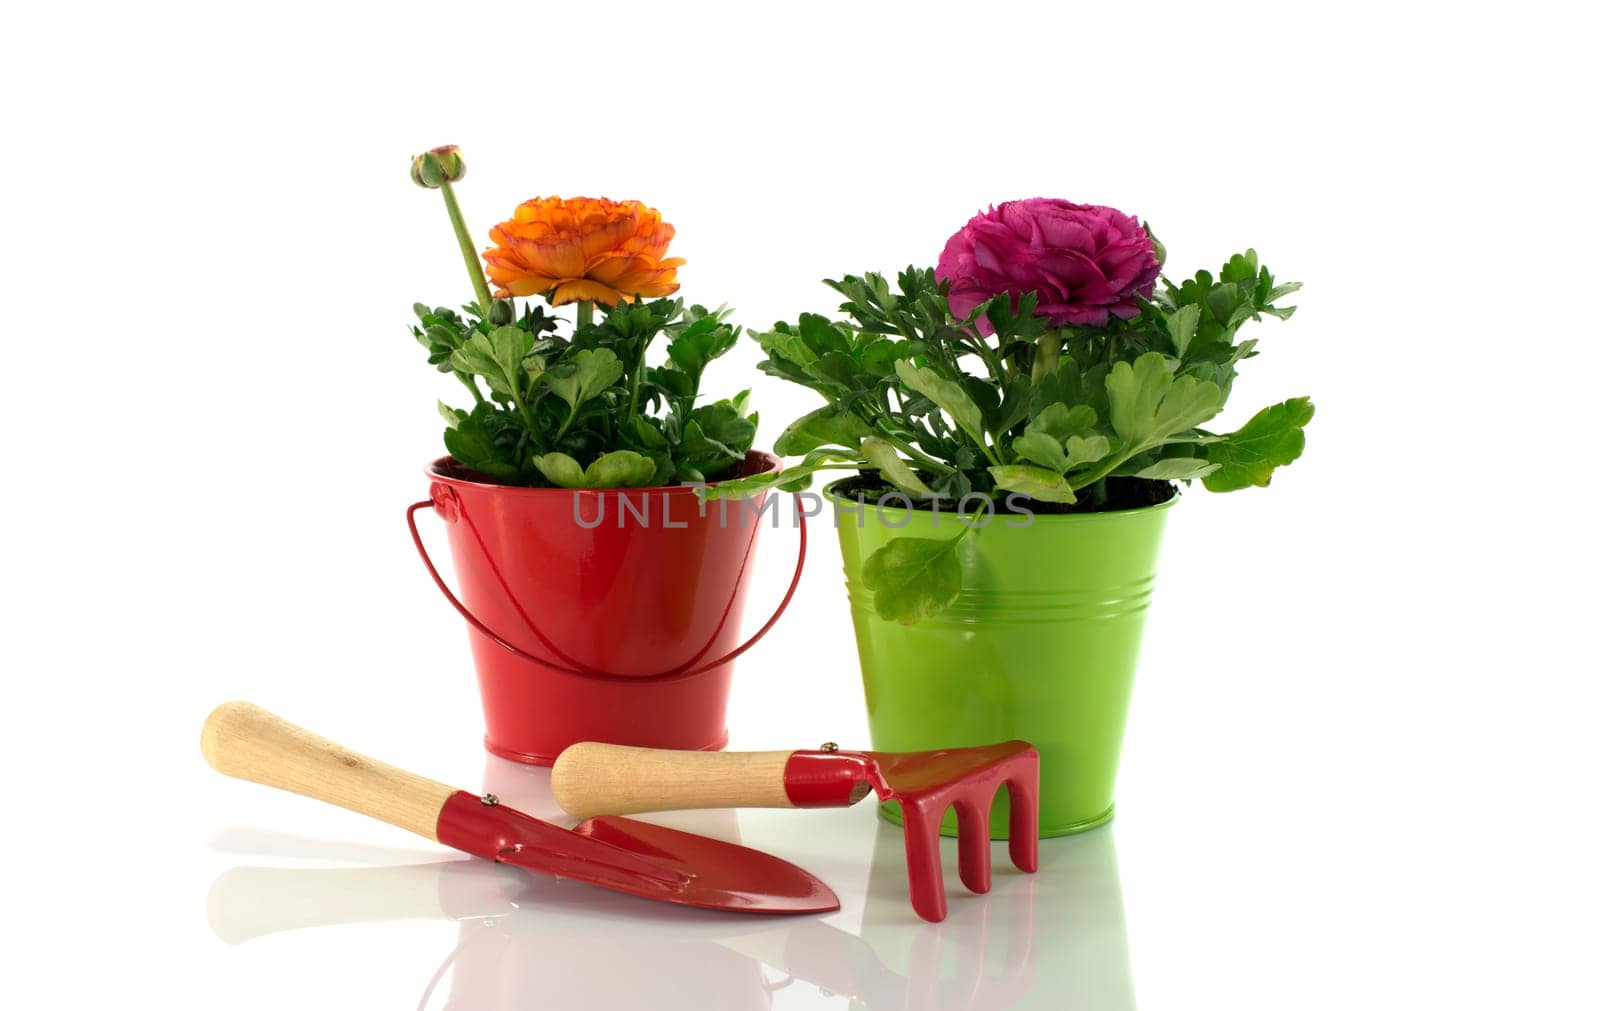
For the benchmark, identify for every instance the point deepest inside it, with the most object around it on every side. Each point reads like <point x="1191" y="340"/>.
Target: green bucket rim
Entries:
<point x="1102" y="515"/>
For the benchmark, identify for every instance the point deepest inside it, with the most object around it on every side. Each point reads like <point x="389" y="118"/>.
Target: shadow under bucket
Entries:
<point x="606" y="616"/>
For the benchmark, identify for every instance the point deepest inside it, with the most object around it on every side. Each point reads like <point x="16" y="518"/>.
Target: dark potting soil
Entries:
<point x="1121" y="493"/>
<point x="750" y="466"/>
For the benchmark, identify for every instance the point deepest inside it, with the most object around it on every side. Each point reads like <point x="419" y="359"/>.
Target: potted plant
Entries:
<point x="603" y="599"/>
<point x="1017" y="419"/>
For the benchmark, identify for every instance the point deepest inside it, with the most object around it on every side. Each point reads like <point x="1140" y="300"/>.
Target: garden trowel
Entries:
<point x="650" y="861"/>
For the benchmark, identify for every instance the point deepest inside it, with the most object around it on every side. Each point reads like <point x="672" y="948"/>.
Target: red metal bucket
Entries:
<point x="599" y="615"/>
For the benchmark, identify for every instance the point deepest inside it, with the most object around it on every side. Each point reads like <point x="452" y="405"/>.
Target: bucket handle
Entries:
<point x="664" y="676"/>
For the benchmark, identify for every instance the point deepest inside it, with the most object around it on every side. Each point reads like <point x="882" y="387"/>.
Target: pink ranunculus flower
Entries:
<point x="1086" y="263"/>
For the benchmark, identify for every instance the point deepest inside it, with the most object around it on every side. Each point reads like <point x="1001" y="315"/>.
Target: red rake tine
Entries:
<point x="926" y="784"/>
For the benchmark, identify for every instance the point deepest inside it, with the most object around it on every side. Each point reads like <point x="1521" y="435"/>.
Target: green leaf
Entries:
<point x="1177" y="468"/>
<point x="1021" y="323"/>
<point x="834" y="369"/>
<point x="498" y="356"/>
<point x="472" y="442"/>
<point x="984" y="394"/>
<point x="1048" y="452"/>
<point x="1078" y="386"/>
<point x="1061" y="422"/>
<point x="946" y="394"/>
<point x="621" y="468"/>
<point x="794" y="478"/>
<point x="646" y="433"/>
<point x="912" y="578"/>
<point x="453" y="417"/>
<point x="783" y="368"/>
<point x="1223" y="301"/>
<point x="1086" y="449"/>
<point x="509" y="346"/>
<point x="1014" y="406"/>
<point x="1042" y="449"/>
<point x="744" y="487"/>
<point x="886" y="458"/>
<point x="476" y="358"/>
<point x="782" y="342"/>
<point x="714" y="438"/>
<point x="723" y="423"/>
<point x="584" y="376"/>
<point x="437" y="335"/>
<point x="1034" y="482"/>
<point x="1181" y="325"/>
<point x="560" y="470"/>
<point x="829" y="425"/>
<point x="674" y="382"/>
<point x="665" y="473"/>
<point x="1148" y="405"/>
<point x="706" y="337"/>
<point x="1275" y="437"/>
<point x="1241" y="267"/>
<point x="878" y="357"/>
<point x="820" y="336"/>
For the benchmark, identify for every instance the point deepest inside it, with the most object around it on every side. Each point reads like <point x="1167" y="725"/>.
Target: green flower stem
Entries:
<point x="470" y="255"/>
<point x="990" y="360"/>
<point x="974" y="342"/>
<point x="983" y="444"/>
<point x="634" y="382"/>
<point x="585" y="313"/>
<point x="973" y="521"/>
<point x="572" y="414"/>
<point x="924" y="459"/>
<point x="1110" y="350"/>
<point x="1108" y="465"/>
<point x="1046" y="356"/>
<point x="527" y="415"/>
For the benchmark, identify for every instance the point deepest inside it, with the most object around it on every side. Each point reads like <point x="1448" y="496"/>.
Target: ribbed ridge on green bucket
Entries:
<point x="1030" y="607"/>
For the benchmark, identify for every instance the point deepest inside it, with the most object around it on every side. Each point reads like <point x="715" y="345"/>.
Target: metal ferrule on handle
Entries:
<point x="829" y="778"/>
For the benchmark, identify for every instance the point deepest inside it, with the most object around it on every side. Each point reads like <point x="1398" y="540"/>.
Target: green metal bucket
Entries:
<point x="1041" y="645"/>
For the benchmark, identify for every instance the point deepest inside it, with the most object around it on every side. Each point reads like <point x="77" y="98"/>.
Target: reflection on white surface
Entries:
<point x="1054" y="939"/>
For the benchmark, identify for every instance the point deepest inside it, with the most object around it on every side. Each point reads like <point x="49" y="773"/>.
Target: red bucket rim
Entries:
<point x="447" y="470"/>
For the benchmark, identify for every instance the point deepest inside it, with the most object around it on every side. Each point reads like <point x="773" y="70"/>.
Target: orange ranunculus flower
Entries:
<point x="583" y="248"/>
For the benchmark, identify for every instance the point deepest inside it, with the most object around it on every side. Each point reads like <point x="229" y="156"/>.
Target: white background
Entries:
<point x="1361" y="765"/>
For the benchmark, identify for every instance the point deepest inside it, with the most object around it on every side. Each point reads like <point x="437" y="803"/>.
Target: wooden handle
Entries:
<point x="247" y="742"/>
<point x="590" y="779"/>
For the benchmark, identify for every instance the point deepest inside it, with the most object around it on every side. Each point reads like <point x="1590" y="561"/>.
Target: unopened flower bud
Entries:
<point x="502" y="312"/>
<point x="441" y="165"/>
<point x="1155" y="244"/>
